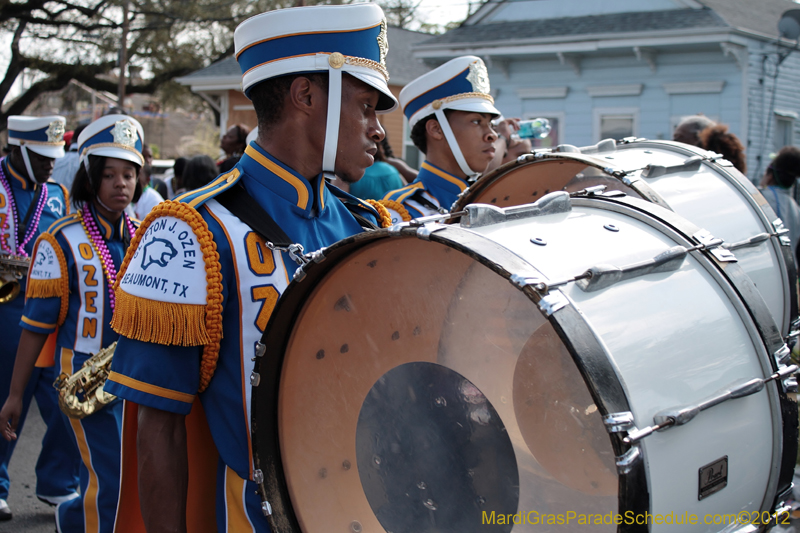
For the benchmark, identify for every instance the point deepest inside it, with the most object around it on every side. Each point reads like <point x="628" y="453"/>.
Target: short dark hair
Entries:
<point x="87" y="184"/>
<point x="199" y="171"/>
<point x="269" y="96"/>
<point x="785" y="167"/>
<point x="419" y="132"/>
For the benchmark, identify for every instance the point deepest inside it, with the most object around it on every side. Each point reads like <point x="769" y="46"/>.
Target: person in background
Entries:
<point x="233" y="144"/>
<point x="29" y="204"/>
<point x="175" y="184"/>
<point x="688" y="130"/>
<point x="71" y="294"/>
<point x="449" y="111"/>
<point x="508" y="146"/>
<point x="776" y="185"/>
<point x="149" y="197"/>
<point x="199" y="171"/>
<point x="718" y="139"/>
<point x="65" y="168"/>
<point x="378" y="179"/>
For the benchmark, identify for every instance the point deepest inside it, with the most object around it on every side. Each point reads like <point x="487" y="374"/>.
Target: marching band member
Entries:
<point x="449" y="111"/>
<point x="29" y="203"/>
<point x="70" y="287"/>
<point x="199" y="283"/>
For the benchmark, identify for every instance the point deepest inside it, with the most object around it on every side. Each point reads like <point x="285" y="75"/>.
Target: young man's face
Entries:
<point x="41" y="166"/>
<point x="475" y="137"/>
<point x="359" y="129"/>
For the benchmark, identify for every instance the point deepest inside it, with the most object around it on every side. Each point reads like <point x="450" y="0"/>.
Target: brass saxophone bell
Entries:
<point x="9" y="287"/>
<point x="12" y="269"/>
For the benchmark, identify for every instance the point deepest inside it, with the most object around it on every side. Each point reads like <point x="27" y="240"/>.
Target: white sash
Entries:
<point x="93" y="289"/>
<point x="257" y="288"/>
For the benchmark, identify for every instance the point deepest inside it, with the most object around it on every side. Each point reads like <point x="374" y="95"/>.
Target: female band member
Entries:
<point x="70" y="284"/>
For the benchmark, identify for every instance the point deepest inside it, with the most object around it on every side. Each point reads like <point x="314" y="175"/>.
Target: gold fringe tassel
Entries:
<point x="51" y="288"/>
<point x="385" y="218"/>
<point x="397" y="206"/>
<point x="202" y="323"/>
<point x="44" y="288"/>
<point x="159" y="322"/>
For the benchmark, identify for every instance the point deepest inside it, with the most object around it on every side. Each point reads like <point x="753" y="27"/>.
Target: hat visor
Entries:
<point x="53" y="152"/>
<point x="474" y="105"/>
<point x="118" y="153"/>
<point x="387" y="101"/>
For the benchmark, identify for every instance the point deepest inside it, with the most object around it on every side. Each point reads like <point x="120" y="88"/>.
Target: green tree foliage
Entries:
<point x="60" y="40"/>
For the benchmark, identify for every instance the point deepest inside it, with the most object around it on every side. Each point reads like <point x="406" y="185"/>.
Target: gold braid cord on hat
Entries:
<point x="368" y="63"/>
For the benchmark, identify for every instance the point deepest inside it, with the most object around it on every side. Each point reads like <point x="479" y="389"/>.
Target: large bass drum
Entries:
<point x="698" y="185"/>
<point x="499" y="374"/>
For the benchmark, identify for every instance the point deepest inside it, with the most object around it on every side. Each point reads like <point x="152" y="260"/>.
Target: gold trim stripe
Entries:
<point x="155" y="390"/>
<point x="302" y="190"/>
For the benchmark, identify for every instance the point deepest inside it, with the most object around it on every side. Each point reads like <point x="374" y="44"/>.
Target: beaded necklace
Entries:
<point x="101" y="249"/>
<point x="33" y="226"/>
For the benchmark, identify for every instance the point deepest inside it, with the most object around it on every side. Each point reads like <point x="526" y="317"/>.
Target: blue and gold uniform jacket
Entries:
<point x="56" y="206"/>
<point x="433" y="191"/>
<point x="68" y="290"/>
<point x="226" y="274"/>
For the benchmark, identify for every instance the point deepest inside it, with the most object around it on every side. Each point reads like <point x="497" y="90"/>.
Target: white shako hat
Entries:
<point x="118" y="136"/>
<point x="462" y="84"/>
<point x="42" y="135"/>
<point x="318" y="39"/>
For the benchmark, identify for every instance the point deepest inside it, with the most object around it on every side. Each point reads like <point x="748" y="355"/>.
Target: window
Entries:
<point x="784" y="126"/>
<point x="615" y="123"/>
<point x="411" y="154"/>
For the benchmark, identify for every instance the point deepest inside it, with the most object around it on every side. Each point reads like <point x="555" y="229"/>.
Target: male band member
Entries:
<point x="199" y="284"/>
<point x="449" y="111"/>
<point x="29" y="203"/>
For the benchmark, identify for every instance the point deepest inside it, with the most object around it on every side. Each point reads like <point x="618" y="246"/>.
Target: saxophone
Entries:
<point x="82" y="394"/>
<point x="12" y="269"/>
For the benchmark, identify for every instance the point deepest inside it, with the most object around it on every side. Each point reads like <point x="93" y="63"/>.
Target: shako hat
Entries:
<point x="42" y="135"/>
<point x="119" y="136"/>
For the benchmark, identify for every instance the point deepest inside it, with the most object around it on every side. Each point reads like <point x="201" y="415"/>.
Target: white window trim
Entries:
<point x="599" y="112"/>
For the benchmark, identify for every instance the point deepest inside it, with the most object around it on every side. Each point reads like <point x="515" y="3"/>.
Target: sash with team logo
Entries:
<point x="48" y="277"/>
<point x="169" y="287"/>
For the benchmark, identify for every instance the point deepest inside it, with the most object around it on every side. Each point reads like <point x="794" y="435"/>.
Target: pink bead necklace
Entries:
<point x="33" y="226"/>
<point x="101" y="249"/>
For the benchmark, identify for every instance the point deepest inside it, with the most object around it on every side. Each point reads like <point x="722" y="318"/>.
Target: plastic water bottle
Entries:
<point x="538" y="128"/>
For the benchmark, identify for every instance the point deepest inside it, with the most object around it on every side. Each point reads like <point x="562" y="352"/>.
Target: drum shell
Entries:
<point x="602" y="349"/>
<point x="716" y="197"/>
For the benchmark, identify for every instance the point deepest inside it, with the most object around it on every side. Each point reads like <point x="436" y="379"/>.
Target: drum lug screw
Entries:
<point x="618" y="422"/>
<point x="627" y="460"/>
<point x="266" y="508"/>
<point x="260" y="349"/>
<point x="255" y="379"/>
<point x="611" y="227"/>
<point x="538" y="241"/>
<point x="258" y="476"/>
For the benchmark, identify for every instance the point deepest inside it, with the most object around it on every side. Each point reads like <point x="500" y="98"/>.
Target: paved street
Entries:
<point x="30" y="515"/>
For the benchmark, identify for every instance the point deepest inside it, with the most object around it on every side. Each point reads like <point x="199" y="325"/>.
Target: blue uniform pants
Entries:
<point x="57" y="467"/>
<point x="98" y="438"/>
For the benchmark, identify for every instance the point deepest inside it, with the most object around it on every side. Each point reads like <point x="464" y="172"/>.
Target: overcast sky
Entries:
<point x="443" y="11"/>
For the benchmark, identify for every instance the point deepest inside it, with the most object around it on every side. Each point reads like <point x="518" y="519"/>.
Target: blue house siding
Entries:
<point x="656" y="108"/>
<point x="761" y="139"/>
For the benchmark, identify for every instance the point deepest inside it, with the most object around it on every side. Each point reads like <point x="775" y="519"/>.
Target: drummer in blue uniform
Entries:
<point x="29" y="202"/>
<point x="449" y="111"/>
<point x="199" y="282"/>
